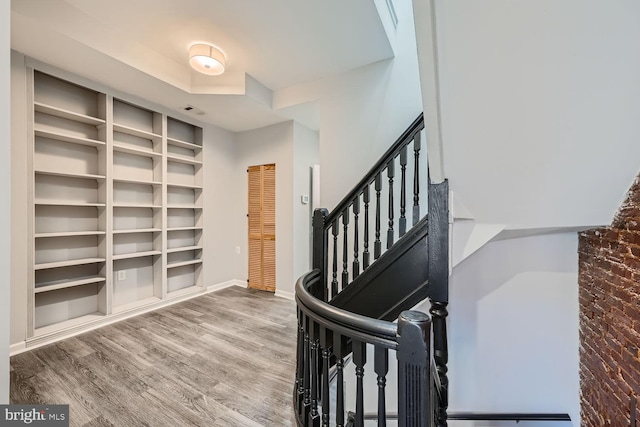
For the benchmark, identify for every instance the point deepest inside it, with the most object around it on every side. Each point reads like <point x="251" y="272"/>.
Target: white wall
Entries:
<point x="539" y="108"/>
<point x="513" y="328"/>
<point x="363" y="111"/>
<point x="5" y="191"/>
<point x="271" y="144"/>
<point x="19" y="202"/>
<point x="219" y="160"/>
<point x="305" y="154"/>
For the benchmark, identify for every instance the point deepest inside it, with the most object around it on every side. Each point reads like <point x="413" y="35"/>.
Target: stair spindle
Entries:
<point x="381" y="366"/>
<point x="314" y="416"/>
<point x="338" y="341"/>
<point x="307" y="370"/>
<point x="377" y="245"/>
<point x="359" y="358"/>
<point x="334" y="281"/>
<point x="416" y="179"/>
<point x="300" y="367"/>
<point x="345" y="248"/>
<point x="402" y="222"/>
<point x="365" y="254"/>
<point x="355" y="270"/>
<point x="390" y="175"/>
<point x="326" y="336"/>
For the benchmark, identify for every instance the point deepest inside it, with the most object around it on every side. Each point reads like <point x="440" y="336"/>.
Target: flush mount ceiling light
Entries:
<point x="206" y="59"/>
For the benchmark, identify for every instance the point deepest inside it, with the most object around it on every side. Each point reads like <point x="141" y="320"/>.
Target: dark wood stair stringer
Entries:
<point x="397" y="281"/>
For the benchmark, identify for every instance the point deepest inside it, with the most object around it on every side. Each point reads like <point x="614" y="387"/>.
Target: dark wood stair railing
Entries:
<point x="323" y="330"/>
<point x="342" y="244"/>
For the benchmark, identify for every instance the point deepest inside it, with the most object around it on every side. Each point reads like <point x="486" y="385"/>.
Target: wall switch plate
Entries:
<point x="237" y="250"/>
<point x="304" y="199"/>
<point x="122" y="275"/>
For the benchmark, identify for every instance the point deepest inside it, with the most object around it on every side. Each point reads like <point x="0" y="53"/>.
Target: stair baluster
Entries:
<point x="402" y="222"/>
<point x="365" y="254"/>
<point x="314" y="416"/>
<point x="338" y="341"/>
<point x="390" y="175"/>
<point x="381" y="366"/>
<point x="359" y="358"/>
<point x="300" y="366"/>
<point x="377" y="245"/>
<point x="345" y="248"/>
<point x="416" y="178"/>
<point x="355" y="271"/>
<point x="326" y="336"/>
<point x="334" y="281"/>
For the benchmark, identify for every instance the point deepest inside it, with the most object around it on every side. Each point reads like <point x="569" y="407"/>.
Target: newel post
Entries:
<point x="414" y="369"/>
<point x="319" y="249"/>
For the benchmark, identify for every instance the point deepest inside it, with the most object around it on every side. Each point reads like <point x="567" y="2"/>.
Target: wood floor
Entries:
<point x="222" y="359"/>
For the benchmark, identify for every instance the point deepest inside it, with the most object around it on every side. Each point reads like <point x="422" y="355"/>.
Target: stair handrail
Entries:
<point x="393" y="151"/>
<point x="325" y="333"/>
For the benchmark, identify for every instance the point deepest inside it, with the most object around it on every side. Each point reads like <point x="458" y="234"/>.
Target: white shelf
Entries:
<point x="137" y="181"/>
<point x="193" y="186"/>
<point x="136" y="205"/>
<point x="69" y="234"/>
<point x="69" y="138"/>
<point x="66" y="114"/>
<point x="183" y="263"/>
<point x="185" y="160"/>
<point x="68" y="263"/>
<point x="68" y="324"/>
<point x="68" y="203"/>
<point x="183" y="144"/>
<point x="176" y="206"/>
<point x="63" y="284"/>
<point x="184" y="228"/>
<point x="136" y="132"/>
<point x="135" y="151"/>
<point x="136" y="255"/>
<point x="71" y="175"/>
<point x="137" y="230"/>
<point x="183" y="249"/>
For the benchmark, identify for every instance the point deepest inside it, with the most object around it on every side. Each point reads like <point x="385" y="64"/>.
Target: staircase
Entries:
<point x="369" y="269"/>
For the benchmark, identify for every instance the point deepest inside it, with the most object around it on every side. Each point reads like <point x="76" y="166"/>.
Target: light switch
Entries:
<point x="304" y="199"/>
<point x="122" y="275"/>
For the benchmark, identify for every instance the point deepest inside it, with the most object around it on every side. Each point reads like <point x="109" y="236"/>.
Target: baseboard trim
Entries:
<point x="36" y="342"/>
<point x="17" y="348"/>
<point x="227" y="284"/>
<point x="286" y="295"/>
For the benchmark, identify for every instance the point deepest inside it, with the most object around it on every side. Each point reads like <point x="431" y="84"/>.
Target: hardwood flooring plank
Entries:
<point x="221" y="359"/>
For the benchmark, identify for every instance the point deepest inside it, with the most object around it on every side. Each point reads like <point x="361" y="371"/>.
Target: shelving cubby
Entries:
<point x="69" y="204"/>
<point x="116" y="194"/>
<point x="184" y="206"/>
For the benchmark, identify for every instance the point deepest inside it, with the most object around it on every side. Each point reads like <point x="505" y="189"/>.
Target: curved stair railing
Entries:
<point x="369" y="269"/>
<point x="324" y="332"/>
<point x="371" y="253"/>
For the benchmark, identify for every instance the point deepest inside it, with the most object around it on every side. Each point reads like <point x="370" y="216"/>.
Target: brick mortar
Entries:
<point x="609" y="297"/>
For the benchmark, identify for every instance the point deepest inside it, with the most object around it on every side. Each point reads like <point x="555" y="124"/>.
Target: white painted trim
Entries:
<point x="424" y="17"/>
<point x="286" y="295"/>
<point x="227" y="284"/>
<point x="17" y="348"/>
<point x="37" y="342"/>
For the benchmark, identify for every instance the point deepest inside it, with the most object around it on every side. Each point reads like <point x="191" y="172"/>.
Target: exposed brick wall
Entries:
<point x="609" y="280"/>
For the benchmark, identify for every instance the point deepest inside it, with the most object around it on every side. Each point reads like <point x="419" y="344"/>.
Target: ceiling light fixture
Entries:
<point x="206" y="59"/>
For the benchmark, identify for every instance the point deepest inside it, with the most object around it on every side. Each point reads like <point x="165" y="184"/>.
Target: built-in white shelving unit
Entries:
<point x="116" y="206"/>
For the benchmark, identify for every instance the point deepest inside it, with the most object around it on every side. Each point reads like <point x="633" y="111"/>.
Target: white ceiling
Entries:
<point x="140" y="47"/>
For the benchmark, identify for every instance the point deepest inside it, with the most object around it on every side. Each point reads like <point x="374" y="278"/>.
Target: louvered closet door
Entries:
<point x="262" y="227"/>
